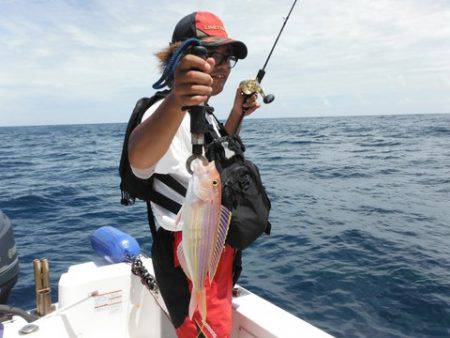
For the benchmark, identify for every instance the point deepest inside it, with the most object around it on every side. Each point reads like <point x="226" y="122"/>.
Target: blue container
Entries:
<point x="114" y="245"/>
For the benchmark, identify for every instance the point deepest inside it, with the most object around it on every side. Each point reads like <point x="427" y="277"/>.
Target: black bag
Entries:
<point x="242" y="192"/>
<point x="132" y="187"/>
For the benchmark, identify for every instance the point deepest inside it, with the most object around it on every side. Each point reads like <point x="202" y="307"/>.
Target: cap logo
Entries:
<point x="214" y="27"/>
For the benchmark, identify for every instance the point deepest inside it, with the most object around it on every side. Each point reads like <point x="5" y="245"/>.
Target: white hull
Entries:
<point x="97" y="301"/>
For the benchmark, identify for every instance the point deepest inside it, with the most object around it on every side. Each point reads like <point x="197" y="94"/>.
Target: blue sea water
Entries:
<point x="360" y="244"/>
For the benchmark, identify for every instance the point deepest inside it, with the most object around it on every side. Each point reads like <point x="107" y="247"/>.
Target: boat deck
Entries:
<point x="108" y="301"/>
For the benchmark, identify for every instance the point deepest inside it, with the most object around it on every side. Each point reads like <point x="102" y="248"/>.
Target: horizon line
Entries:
<point x="249" y="118"/>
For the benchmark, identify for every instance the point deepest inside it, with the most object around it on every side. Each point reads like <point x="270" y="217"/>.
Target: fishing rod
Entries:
<point x="198" y="122"/>
<point x="249" y="87"/>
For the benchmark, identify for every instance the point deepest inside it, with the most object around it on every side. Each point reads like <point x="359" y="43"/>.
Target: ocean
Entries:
<point x="360" y="242"/>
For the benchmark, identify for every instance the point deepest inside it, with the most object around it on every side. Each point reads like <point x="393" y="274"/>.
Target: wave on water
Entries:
<point x="360" y="243"/>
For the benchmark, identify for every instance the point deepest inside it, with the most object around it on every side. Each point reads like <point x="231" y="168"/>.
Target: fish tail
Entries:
<point x="198" y="300"/>
<point x="202" y="304"/>
<point x="192" y="303"/>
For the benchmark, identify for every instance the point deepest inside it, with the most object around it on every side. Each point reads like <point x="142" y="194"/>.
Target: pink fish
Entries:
<point x="204" y="223"/>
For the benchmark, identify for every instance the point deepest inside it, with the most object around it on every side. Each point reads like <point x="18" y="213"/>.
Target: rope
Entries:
<point x="9" y="310"/>
<point x="138" y="269"/>
<point x="169" y="70"/>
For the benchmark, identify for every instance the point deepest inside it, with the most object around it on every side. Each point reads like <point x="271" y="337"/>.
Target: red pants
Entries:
<point x="218" y="300"/>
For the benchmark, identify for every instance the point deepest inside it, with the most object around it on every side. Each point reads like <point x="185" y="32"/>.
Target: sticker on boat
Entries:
<point x="109" y="301"/>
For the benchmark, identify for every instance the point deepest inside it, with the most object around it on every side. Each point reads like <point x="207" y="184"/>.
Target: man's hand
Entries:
<point x="245" y="105"/>
<point x="150" y="140"/>
<point x="241" y="106"/>
<point x="192" y="82"/>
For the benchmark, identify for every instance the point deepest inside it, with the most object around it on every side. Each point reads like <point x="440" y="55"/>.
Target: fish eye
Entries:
<point x="215" y="183"/>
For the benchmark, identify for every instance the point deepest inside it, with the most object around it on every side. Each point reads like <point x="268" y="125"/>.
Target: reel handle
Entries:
<point x="268" y="98"/>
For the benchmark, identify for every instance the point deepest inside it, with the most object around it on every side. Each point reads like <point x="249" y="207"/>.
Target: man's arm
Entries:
<point x="150" y="140"/>
<point x="240" y="104"/>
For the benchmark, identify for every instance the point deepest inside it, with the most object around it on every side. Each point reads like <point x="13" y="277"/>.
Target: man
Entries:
<point x="161" y="144"/>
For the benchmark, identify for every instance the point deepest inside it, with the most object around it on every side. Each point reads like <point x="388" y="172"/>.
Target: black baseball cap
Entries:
<point x="208" y="28"/>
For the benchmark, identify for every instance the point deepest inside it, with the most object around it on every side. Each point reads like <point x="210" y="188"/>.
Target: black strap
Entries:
<point x="222" y="130"/>
<point x="211" y="135"/>
<point x="164" y="202"/>
<point x="172" y="183"/>
<point x="151" y="220"/>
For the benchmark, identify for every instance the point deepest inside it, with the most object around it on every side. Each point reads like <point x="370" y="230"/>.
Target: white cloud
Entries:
<point x="70" y="63"/>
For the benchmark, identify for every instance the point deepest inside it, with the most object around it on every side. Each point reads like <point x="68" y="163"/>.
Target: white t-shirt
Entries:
<point x="173" y="162"/>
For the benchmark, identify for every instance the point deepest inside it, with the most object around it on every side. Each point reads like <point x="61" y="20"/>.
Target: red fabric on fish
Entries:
<point x="218" y="299"/>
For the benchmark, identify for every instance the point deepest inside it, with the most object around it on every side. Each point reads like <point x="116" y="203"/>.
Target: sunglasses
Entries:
<point x="220" y="58"/>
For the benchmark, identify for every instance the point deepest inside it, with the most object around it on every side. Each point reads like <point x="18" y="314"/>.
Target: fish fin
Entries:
<point x="193" y="303"/>
<point x="178" y="220"/>
<point x="201" y="303"/>
<point x="221" y="234"/>
<point x="182" y="260"/>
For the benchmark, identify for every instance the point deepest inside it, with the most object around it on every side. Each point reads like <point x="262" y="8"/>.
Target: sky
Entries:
<point x="64" y="62"/>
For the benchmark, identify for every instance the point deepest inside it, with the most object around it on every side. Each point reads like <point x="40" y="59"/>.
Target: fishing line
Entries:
<point x="278" y="37"/>
<point x="250" y="87"/>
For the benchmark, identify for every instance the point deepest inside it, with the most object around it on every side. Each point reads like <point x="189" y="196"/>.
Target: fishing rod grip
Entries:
<point x="202" y="52"/>
<point x="244" y="111"/>
<point x="199" y="126"/>
<point x="246" y="98"/>
<point x="260" y="75"/>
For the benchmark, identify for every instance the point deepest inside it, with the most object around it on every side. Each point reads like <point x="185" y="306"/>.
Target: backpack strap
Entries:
<point x="222" y="130"/>
<point x="171" y="183"/>
<point x="211" y="135"/>
<point x="163" y="201"/>
<point x="151" y="221"/>
<point x="132" y="187"/>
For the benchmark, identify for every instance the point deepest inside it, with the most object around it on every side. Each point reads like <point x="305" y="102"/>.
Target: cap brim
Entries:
<point x="238" y="48"/>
